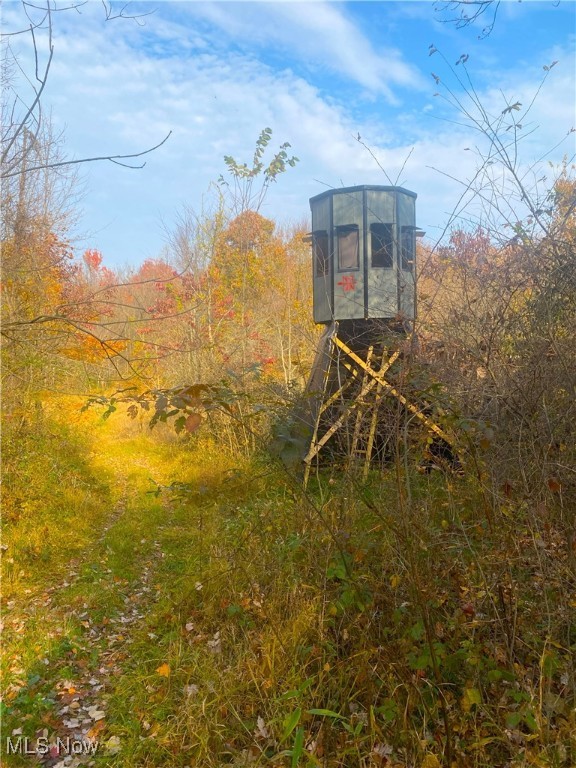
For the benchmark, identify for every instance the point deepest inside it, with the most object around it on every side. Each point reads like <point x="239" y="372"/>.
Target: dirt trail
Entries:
<point x="76" y="725"/>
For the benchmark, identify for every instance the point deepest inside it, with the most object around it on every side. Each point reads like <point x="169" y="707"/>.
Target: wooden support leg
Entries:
<point x="374" y="385"/>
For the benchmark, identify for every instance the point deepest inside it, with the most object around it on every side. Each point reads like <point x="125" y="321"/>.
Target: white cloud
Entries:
<point x="120" y="88"/>
<point x="320" y="33"/>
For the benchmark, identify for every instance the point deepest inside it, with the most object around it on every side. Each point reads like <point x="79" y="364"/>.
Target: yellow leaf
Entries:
<point x="431" y="761"/>
<point x="472" y="697"/>
<point x="394" y="580"/>
<point x="163" y="670"/>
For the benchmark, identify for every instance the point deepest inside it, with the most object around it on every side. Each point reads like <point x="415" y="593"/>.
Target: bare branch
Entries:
<point x="31" y="109"/>
<point x="111" y="158"/>
<point x="464" y="13"/>
<point x="110" y="15"/>
<point x="373" y="156"/>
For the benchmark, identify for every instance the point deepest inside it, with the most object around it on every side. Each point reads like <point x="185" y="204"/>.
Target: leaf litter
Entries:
<point x="80" y="704"/>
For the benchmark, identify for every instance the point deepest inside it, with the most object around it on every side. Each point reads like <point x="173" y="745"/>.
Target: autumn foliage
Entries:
<point x="213" y="612"/>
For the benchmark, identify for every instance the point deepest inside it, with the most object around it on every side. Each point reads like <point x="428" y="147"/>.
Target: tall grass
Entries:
<point x="407" y="621"/>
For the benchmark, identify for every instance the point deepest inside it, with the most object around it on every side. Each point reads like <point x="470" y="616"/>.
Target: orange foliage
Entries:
<point x="91" y="349"/>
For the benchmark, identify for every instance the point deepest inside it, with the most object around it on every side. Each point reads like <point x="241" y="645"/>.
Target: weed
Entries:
<point x="214" y="615"/>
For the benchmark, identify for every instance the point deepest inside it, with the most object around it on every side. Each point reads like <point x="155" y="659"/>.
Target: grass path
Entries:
<point x="91" y="614"/>
<point x="70" y="625"/>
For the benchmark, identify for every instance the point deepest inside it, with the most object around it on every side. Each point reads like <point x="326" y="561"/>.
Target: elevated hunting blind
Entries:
<point x="364" y="276"/>
<point x="363" y="241"/>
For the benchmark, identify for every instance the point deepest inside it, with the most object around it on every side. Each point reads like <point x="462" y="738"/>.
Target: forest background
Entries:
<point x="167" y="576"/>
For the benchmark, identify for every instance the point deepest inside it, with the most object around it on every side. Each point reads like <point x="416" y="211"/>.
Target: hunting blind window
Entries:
<point x="348" y="252"/>
<point x="382" y="245"/>
<point x="321" y="255"/>
<point x="408" y="248"/>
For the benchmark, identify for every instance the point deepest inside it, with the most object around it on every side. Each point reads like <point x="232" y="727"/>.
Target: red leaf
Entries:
<point x="193" y="422"/>
<point x="554" y="484"/>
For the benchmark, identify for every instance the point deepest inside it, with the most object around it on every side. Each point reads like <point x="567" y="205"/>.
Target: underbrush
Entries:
<point x="414" y="620"/>
<point x="53" y="499"/>
<point x="400" y="623"/>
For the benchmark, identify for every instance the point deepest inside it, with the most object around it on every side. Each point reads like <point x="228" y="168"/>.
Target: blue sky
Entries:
<point x="317" y="73"/>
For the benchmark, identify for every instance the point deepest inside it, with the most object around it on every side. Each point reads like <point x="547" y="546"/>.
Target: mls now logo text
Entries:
<point x="23" y="745"/>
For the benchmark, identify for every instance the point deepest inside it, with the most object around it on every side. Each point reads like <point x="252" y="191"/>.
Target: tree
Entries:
<point x="47" y="306"/>
<point x="228" y="316"/>
<point x="250" y="184"/>
<point x="23" y="119"/>
<point x="497" y="296"/>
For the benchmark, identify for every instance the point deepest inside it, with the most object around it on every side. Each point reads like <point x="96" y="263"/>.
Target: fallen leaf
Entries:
<point x="112" y="745"/>
<point x="163" y="670"/>
<point x="261" y="729"/>
<point x="96" y="729"/>
<point x="72" y="723"/>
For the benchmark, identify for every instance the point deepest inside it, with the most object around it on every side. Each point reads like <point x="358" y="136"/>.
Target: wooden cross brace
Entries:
<point x="376" y="379"/>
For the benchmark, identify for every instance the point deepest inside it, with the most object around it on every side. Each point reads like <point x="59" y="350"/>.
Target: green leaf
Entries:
<point x="513" y="719"/>
<point x="530" y="721"/>
<point x="423" y="661"/>
<point x="515" y="107"/>
<point x="550" y="663"/>
<point x="293" y="694"/>
<point x="483" y="742"/>
<point x="179" y="424"/>
<point x="417" y="631"/>
<point x="388" y="709"/>
<point x="339" y="569"/>
<point x="298" y="747"/>
<point x="109" y="412"/>
<point x="325" y="713"/>
<point x="161" y="403"/>
<point x="290" y="722"/>
<point x="306" y="684"/>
